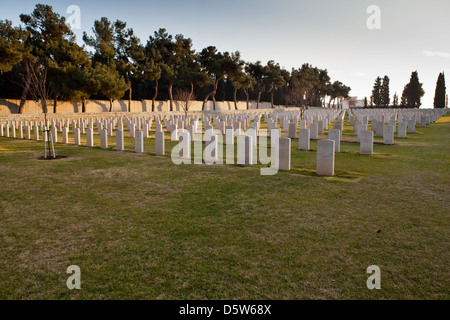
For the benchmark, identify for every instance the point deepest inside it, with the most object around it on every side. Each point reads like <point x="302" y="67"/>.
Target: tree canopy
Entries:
<point x="114" y="64"/>
<point x="440" y="93"/>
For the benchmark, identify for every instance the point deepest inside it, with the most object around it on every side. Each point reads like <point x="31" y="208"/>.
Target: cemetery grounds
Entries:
<point x="140" y="227"/>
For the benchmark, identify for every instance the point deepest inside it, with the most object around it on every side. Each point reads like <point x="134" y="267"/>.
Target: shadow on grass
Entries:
<point x="340" y="175"/>
<point x="53" y="159"/>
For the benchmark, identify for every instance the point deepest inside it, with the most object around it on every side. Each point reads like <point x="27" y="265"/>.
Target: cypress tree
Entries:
<point x="376" y="93"/>
<point x="385" y="100"/>
<point x="395" y="101"/>
<point x="439" y="96"/>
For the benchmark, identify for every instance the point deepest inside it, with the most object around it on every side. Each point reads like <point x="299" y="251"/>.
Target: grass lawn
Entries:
<point x="140" y="227"/>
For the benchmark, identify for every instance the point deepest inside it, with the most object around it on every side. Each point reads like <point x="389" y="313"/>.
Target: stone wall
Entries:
<point x="11" y="106"/>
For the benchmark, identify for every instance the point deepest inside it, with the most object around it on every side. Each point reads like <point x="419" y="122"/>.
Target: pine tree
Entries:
<point x="439" y="96"/>
<point x="385" y="100"/>
<point x="413" y="91"/>
<point x="365" y="102"/>
<point x="395" y="100"/>
<point x="403" y="99"/>
<point x="12" y="47"/>
<point x="376" y="93"/>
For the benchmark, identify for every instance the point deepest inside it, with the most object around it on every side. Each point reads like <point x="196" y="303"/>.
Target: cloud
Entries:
<point x="437" y="54"/>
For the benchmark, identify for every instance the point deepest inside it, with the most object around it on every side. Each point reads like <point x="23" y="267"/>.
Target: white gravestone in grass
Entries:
<point x="388" y="135"/>
<point x="285" y="154"/>
<point x="245" y="150"/>
<point x="366" y="144"/>
<point x="314" y="131"/>
<point x="139" y="142"/>
<point x="65" y="135"/>
<point x="335" y="135"/>
<point x="104" y="138"/>
<point x="304" y="139"/>
<point x="160" y="143"/>
<point x="120" y="145"/>
<point x="402" y="127"/>
<point x="90" y="137"/>
<point x="325" y="157"/>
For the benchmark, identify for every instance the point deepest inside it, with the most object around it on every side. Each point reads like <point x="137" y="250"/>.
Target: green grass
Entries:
<point x="140" y="227"/>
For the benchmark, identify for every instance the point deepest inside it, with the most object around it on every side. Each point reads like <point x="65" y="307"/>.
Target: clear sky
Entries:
<point x="331" y="34"/>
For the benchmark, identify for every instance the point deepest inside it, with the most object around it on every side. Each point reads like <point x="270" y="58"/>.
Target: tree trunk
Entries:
<point x="25" y="89"/>
<point x="55" y="103"/>
<point x="235" y="99"/>
<point x="247" y="95"/>
<point x="129" y="100"/>
<point x="44" y="109"/>
<point x="206" y="100"/>
<point x="127" y="81"/>
<point x="213" y="95"/>
<point x="271" y="98"/>
<point x="154" y="97"/>
<point x="110" y="105"/>
<point x="190" y="97"/>
<point x="192" y="90"/>
<point x="171" y="95"/>
<point x="214" y="100"/>
<point x="83" y="105"/>
<point x="259" y="98"/>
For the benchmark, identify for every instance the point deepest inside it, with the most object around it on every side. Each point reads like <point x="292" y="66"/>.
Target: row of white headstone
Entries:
<point x="225" y="124"/>
<point x="385" y="123"/>
<point x="245" y="126"/>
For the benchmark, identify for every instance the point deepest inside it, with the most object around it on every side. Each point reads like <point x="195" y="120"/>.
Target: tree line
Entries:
<point x="43" y="61"/>
<point x="411" y="95"/>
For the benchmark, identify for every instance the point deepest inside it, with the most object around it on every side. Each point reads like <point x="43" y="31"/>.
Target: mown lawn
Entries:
<point x="140" y="227"/>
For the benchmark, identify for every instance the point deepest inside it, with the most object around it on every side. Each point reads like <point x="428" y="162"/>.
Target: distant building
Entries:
<point x="353" y="102"/>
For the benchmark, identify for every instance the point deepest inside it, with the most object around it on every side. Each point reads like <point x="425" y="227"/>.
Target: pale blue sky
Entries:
<point x="326" y="33"/>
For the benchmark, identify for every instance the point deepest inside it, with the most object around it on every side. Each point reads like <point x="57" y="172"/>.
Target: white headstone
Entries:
<point x="104" y="138"/>
<point x="366" y="144"/>
<point x="304" y="139"/>
<point x="320" y="126"/>
<point x="402" y="126"/>
<point x="76" y="135"/>
<point x="411" y="126"/>
<point x="285" y="154"/>
<point x="27" y="132"/>
<point x="314" y="131"/>
<point x="325" y="157"/>
<point x="293" y="130"/>
<point x="160" y="143"/>
<point x="120" y="144"/>
<point x="229" y="135"/>
<point x="335" y="135"/>
<point x="245" y="150"/>
<point x="139" y="142"/>
<point x="65" y="135"/>
<point x="388" y="135"/>
<point x="90" y="137"/>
